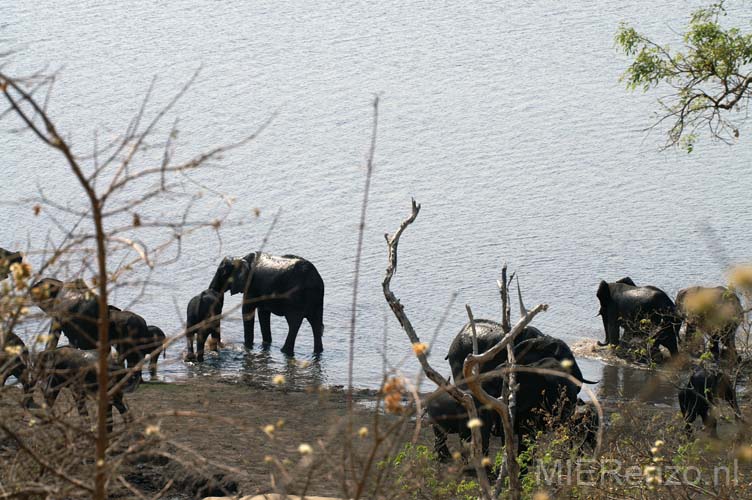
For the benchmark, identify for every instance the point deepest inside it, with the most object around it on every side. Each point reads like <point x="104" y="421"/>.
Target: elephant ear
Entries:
<point x="604" y="292"/>
<point x="681" y="297"/>
<point x="44" y="291"/>
<point x="240" y="274"/>
<point x="627" y="281"/>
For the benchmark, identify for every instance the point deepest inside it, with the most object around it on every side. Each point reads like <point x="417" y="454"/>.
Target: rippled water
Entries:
<point x="506" y="120"/>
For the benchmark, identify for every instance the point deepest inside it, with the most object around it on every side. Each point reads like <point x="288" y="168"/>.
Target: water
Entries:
<point x="505" y="120"/>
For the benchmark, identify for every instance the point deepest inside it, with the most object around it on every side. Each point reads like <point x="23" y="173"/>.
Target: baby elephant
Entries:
<point x="77" y="370"/>
<point x="204" y="312"/>
<point x="154" y="346"/>
<point x="448" y="416"/>
<point x="698" y="398"/>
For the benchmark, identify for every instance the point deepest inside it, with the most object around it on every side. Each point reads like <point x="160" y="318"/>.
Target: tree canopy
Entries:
<point x="710" y="74"/>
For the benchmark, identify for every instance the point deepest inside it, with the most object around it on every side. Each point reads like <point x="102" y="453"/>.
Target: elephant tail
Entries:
<point x="586" y="381"/>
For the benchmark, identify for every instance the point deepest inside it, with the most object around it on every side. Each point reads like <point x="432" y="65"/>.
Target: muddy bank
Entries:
<point x="242" y="427"/>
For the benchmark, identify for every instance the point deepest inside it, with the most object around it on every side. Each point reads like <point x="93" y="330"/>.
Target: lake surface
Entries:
<point x="505" y="120"/>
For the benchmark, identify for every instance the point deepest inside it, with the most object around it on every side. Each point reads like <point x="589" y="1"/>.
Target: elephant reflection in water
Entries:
<point x="294" y="373"/>
<point x="630" y="384"/>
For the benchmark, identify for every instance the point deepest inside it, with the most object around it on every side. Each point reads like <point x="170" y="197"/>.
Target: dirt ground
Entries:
<point x="225" y="421"/>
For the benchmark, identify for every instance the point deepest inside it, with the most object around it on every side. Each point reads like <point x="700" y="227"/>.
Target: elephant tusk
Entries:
<point x="523" y="311"/>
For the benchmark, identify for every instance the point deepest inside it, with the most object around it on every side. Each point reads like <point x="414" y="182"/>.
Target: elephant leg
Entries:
<point x="716" y="347"/>
<point x="153" y="358"/>
<point x="294" y="320"/>
<point x="118" y="402"/>
<point x="316" y="321"/>
<point x="667" y="338"/>
<point x="439" y="445"/>
<point x="688" y="405"/>
<point x="190" y="356"/>
<point x="264" y="316"/>
<point x="612" y="328"/>
<point x="200" y="342"/>
<point x="134" y="359"/>
<point x="249" y="312"/>
<point x="729" y="345"/>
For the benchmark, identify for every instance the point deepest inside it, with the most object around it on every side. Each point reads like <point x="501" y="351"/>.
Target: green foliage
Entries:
<point x="418" y="475"/>
<point x="710" y="75"/>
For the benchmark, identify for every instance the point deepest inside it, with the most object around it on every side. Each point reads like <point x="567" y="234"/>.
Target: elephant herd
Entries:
<point x="711" y="317"/>
<point x="287" y="285"/>
<point x="291" y="286"/>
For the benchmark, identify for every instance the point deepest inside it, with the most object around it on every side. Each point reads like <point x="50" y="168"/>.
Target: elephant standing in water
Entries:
<point x="286" y="285"/>
<point x="203" y="319"/>
<point x="636" y="308"/>
<point x="716" y="312"/>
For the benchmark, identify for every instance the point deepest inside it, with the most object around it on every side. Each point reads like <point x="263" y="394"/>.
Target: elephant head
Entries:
<point x="608" y="314"/>
<point x="232" y="274"/>
<point x="44" y="292"/>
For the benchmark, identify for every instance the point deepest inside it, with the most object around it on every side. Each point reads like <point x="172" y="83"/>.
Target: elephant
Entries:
<point x="130" y="336"/>
<point x="625" y="305"/>
<point x="447" y="416"/>
<point x="531" y="343"/>
<point x="716" y="312"/>
<point x="489" y="333"/>
<point x="203" y="320"/>
<point x="286" y="285"/>
<point x="542" y="399"/>
<point x="14" y="360"/>
<point x="136" y="341"/>
<point x="76" y="369"/>
<point x="7" y="259"/>
<point x="154" y="346"/>
<point x="698" y="398"/>
<point x="74" y="310"/>
<point x="585" y="425"/>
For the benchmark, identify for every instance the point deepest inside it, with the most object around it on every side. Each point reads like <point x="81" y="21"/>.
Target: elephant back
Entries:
<point x="489" y="333"/>
<point x="546" y="347"/>
<point x="705" y="299"/>
<point x="78" y="314"/>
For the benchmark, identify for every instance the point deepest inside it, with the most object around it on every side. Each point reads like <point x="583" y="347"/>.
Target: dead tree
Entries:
<point x="103" y="177"/>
